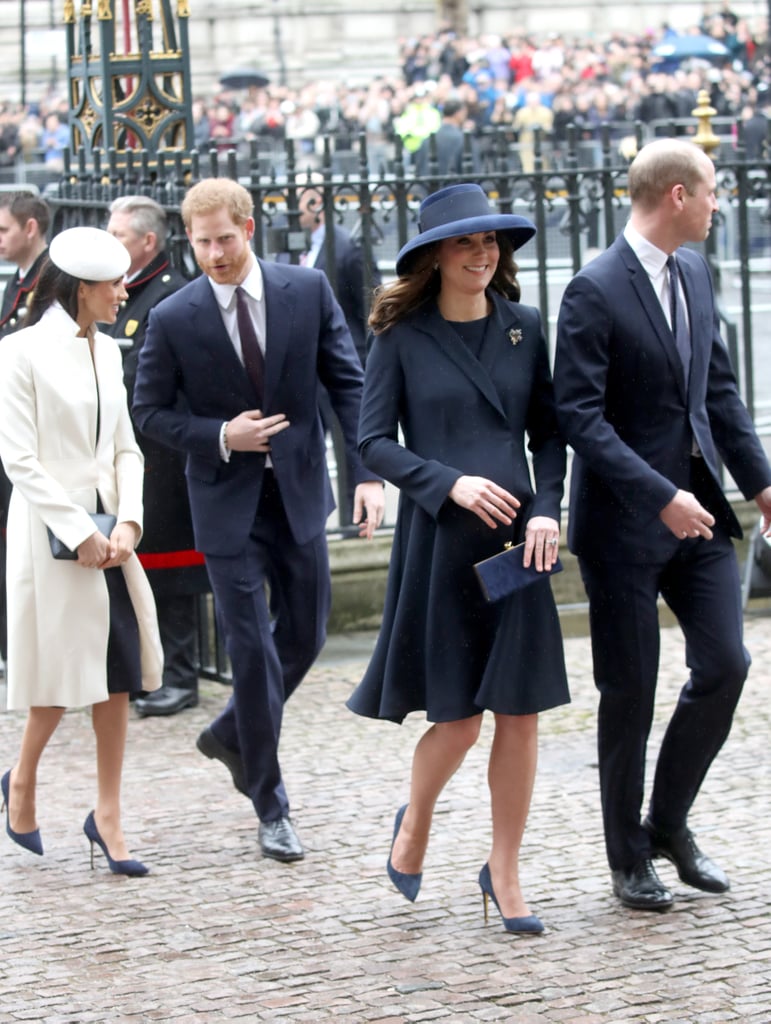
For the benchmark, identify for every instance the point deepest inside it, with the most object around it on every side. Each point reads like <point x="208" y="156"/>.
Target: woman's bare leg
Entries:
<point x="40" y="727"/>
<point x="110" y="721"/>
<point x="511" y="775"/>
<point x="438" y="755"/>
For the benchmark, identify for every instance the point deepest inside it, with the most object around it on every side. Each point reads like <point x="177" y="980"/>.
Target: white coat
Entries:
<point x="58" y="612"/>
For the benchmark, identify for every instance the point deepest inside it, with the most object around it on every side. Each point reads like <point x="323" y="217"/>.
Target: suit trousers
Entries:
<point x="273" y="600"/>
<point x="701" y="586"/>
<point x="177" y="624"/>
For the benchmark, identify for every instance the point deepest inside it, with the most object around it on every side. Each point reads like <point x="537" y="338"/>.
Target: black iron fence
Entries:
<point x="578" y="205"/>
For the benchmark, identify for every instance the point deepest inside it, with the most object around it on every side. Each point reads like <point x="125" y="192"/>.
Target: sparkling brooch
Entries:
<point x="515" y="335"/>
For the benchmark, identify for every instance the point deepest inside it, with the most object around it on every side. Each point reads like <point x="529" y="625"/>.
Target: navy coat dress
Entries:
<point x="441" y="647"/>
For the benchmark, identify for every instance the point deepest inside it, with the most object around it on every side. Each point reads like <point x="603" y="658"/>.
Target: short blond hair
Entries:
<point x="212" y="194"/>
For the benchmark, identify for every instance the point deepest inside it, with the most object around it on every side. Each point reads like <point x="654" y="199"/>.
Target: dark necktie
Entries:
<point x="254" y="361"/>
<point x="677" y="317"/>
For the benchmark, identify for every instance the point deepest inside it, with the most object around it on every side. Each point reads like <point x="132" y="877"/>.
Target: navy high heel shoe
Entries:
<point x="134" y="868"/>
<point x="29" y="840"/>
<point x="408" y="885"/>
<point x="530" y="925"/>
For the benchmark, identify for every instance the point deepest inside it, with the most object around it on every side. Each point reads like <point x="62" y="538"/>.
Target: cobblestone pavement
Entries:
<point x="217" y="933"/>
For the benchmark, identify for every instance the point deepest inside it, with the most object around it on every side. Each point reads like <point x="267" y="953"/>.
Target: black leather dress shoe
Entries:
<point x="278" y="840"/>
<point x="694" y="867"/>
<point x="166" y="701"/>
<point x="212" y="747"/>
<point x="641" y="888"/>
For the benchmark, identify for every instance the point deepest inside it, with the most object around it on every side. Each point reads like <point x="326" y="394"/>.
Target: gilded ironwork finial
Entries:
<point x="704" y="112"/>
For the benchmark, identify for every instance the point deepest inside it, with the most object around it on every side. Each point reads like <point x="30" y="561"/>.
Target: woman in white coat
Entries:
<point x="82" y="631"/>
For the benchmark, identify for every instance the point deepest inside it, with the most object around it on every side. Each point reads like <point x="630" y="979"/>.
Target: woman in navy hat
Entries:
<point x="81" y="631"/>
<point x="462" y="368"/>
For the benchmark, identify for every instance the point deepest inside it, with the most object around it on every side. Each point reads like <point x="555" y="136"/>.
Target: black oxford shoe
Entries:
<point x="641" y="888"/>
<point x="278" y="840"/>
<point x="166" y="701"/>
<point x="694" y="867"/>
<point x="211" y="746"/>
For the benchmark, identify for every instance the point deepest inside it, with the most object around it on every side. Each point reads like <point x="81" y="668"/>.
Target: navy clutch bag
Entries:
<point x="504" y="573"/>
<point x="103" y="521"/>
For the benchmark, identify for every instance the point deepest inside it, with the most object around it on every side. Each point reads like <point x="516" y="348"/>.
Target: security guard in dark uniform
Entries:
<point x="176" y="571"/>
<point x="24" y="220"/>
<point x="17" y="295"/>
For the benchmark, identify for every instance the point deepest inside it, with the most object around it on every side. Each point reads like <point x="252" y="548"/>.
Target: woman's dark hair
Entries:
<point x="423" y="281"/>
<point x="53" y="285"/>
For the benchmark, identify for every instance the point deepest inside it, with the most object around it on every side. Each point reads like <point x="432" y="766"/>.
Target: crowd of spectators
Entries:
<point x="514" y="81"/>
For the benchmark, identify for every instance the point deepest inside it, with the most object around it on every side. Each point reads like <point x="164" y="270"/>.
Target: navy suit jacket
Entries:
<point x="623" y="405"/>
<point x="188" y="350"/>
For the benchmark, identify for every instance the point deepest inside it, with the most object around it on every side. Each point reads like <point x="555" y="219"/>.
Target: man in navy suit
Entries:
<point x="647" y="398"/>
<point x="247" y="345"/>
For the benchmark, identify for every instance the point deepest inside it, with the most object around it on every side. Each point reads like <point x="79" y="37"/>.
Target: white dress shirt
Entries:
<point x="654" y="262"/>
<point x="317" y="240"/>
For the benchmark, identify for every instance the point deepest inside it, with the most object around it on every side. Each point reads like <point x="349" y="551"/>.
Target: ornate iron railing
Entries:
<point x="576" y="208"/>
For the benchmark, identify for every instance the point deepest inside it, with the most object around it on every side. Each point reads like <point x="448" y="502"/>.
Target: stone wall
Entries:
<point x="359" y="571"/>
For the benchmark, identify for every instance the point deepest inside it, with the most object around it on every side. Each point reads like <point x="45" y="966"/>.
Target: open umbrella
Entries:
<point x="243" y="78"/>
<point x="679" y="48"/>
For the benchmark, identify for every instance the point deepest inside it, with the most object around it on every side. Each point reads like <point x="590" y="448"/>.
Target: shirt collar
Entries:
<point x="653" y="259"/>
<point x="252" y="285"/>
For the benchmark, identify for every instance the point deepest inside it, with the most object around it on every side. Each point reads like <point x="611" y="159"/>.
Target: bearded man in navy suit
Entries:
<point x="248" y="345"/>
<point x="647" y="398"/>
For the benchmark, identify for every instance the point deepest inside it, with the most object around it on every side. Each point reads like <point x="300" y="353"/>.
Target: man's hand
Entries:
<point x="250" y="431"/>
<point x="686" y="517"/>
<point x="485" y="499"/>
<point x="763" y="500"/>
<point x="368" y="497"/>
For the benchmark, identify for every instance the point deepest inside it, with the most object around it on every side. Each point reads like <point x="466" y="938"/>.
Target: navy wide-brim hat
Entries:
<point x="460" y="210"/>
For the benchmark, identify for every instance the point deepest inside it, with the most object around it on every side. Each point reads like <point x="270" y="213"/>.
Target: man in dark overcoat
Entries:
<point x="176" y="571"/>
